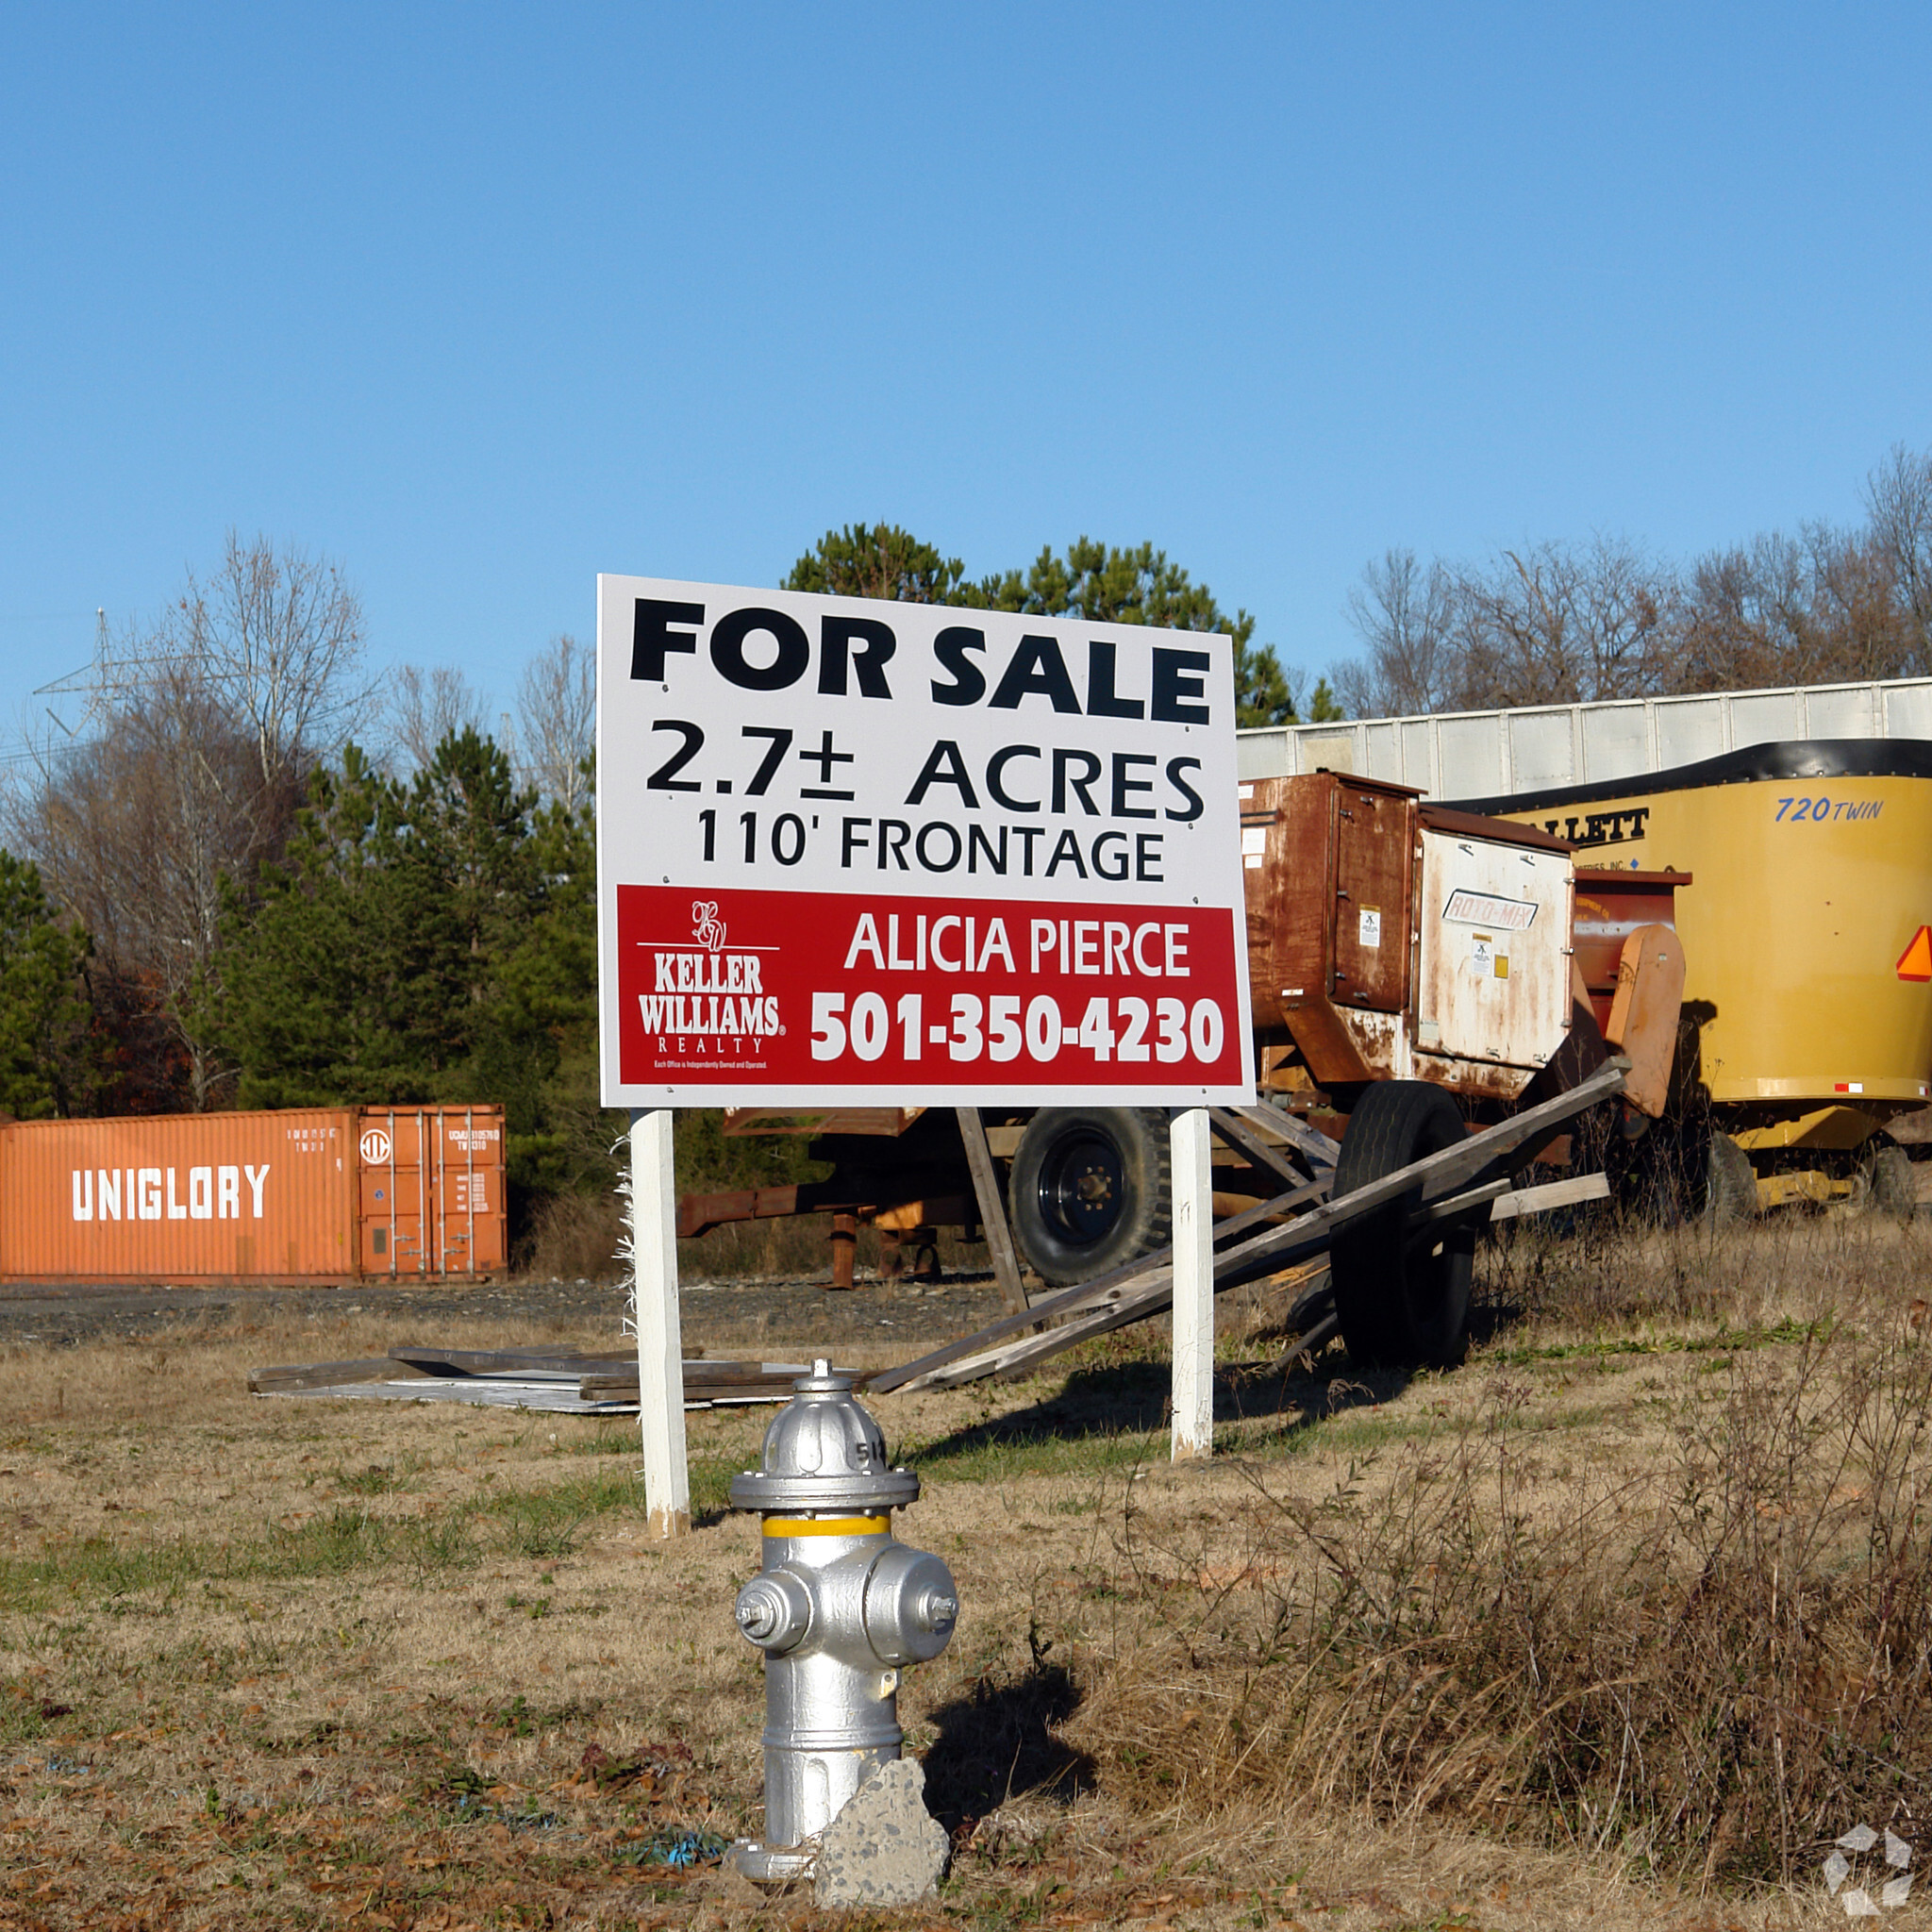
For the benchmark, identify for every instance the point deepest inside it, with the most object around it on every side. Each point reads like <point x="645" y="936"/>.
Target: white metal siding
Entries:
<point x="1482" y="754"/>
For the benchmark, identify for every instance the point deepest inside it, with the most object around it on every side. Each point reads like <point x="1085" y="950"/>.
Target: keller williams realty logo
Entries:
<point x="706" y="997"/>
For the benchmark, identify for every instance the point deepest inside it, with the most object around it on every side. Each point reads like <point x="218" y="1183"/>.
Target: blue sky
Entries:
<point x="482" y="300"/>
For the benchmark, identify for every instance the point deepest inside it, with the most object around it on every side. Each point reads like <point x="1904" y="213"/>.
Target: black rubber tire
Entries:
<point x="1090" y="1189"/>
<point x="1402" y="1299"/>
<point x="1730" y="1182"/>
<point x="1894" y="1187"/>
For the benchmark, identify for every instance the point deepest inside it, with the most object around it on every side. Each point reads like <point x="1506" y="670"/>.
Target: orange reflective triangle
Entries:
<point x="1915" y="962"/>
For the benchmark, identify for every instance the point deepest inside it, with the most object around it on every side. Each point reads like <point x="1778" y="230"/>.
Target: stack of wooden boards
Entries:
<point x="567" y="1382"/>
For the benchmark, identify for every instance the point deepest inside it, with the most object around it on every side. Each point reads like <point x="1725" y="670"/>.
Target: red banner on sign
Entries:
<point x="822" y="990"/>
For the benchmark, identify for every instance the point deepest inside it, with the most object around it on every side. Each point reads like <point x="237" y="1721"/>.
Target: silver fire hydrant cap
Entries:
<point x="823" y="1452"/>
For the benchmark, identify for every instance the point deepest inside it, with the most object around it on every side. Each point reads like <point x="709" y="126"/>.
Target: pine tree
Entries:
<point x="52" y="1059"/>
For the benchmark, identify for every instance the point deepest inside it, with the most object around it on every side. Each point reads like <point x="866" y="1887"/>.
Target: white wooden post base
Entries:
<point x="1194" y="1285"/>
<point x="660" y="1330"/>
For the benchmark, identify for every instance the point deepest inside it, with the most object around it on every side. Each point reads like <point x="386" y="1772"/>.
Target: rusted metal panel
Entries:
<point x="1374" y="854"/>
<point x="1471" y="1079"/>
<point x="243" y="1197"/>
<point x="1288" y="860"/>
<point x="1381" y="1040"/>
<point x="1475" y="825"/>
<point x="1642" y="1026"/>
<point x="1611" y="906"/>
<point x="1494" y="977"/>
<point x="1310" y="875"/>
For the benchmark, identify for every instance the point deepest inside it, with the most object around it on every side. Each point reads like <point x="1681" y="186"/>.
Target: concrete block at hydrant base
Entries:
<point x="884" y="1848"/>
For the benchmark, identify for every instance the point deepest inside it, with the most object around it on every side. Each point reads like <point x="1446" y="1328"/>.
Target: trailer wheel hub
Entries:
<point x="1080" y="1188"/>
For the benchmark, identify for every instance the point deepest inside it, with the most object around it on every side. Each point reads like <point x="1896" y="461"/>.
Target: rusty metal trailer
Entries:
<point x="1414" y="973"/>
<point x="1807" y="812"/>
<point x="1429" y="1202"/>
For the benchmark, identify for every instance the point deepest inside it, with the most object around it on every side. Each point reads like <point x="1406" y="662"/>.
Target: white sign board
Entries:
<point x="853" y="851"/>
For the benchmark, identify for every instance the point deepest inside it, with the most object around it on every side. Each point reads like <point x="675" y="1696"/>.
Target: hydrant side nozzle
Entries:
<point x="774" y="1610"/>
<point x="911" y="1604"/>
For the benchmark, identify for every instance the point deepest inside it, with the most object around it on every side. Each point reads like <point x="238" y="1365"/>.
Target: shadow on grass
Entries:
<point x="1118" y="1414"/>
<point x="1000" y="1741"/>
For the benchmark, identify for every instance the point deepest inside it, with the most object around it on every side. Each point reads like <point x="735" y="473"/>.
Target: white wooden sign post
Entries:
<point x="1193" y="1287"/>
<point x="861" y="853"/>
<point x="659" y="1325"/>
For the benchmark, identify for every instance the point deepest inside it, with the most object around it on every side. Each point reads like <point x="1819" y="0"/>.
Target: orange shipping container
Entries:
<point x="308" y="1194"/>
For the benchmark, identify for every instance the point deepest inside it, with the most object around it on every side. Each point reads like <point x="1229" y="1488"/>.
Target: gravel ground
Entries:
<point x="782" y="1317"/>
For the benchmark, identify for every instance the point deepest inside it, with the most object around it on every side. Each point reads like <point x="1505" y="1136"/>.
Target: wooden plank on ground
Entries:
<point x="705" y="1377"/>
<point x="292" y="1376"/>
<point x="504" y="1361"/>
<point x="506" y="1376"/>
<point x="480" y="1392"/>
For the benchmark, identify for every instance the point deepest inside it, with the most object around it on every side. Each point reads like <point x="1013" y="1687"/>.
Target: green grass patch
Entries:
<point x="994" y="1457"/>
<point x="541" y="1523"/>
<point x="1789" y="1332"/>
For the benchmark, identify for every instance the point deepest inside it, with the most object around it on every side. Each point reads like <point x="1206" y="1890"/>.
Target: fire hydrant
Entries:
<point x="839" y="1607"/>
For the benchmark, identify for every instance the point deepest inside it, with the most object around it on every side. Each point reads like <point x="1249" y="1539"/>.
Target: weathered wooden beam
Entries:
<point x="699" y="1377"/>
<point x="504" y="1361"/>
<point x="1429" y="1179"/>
<point x="380" y="1368"/>
<point x="1247" y="1143"/>
<point x="1505" y="1202"/>
<point x="1021" y="1354"/>
<point x="1464" y="1206"/>
<point x="993" y="1209"/>
<point x="1154" y="1268"/>
<point x="1309" y="1141"/>
<point x="1133" y="1293"/>
<point x="1540" y="1200"/>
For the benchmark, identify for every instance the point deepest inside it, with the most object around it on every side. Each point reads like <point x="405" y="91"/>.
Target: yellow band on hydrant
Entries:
<point x="827" y="1525"/>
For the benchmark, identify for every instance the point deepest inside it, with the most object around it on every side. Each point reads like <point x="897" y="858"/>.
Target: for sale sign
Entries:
<point x="905" y="854"/>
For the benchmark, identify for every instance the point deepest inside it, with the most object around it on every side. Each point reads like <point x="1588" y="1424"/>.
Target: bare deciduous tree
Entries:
<point x="275" y="637"/>
<point x="201" y="730"/>
<point x="426" y="707"/>
<point x="1898" y="496"/>
<point x="1555" y="624"/>
<point x="1820" y="607"/>
<point x="1402" y="612"/>
<point x="556" y="721"/>
<point x="1536" y="626"/>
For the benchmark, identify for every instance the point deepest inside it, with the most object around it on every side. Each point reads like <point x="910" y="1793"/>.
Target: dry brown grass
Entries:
<point x="1606" y="1628"/>
<point x="1688" y="1627"/>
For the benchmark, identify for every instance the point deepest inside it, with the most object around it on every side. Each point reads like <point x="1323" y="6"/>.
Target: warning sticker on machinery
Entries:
<point x="1915" y="962"/>
<point x="1485" y="960"/>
